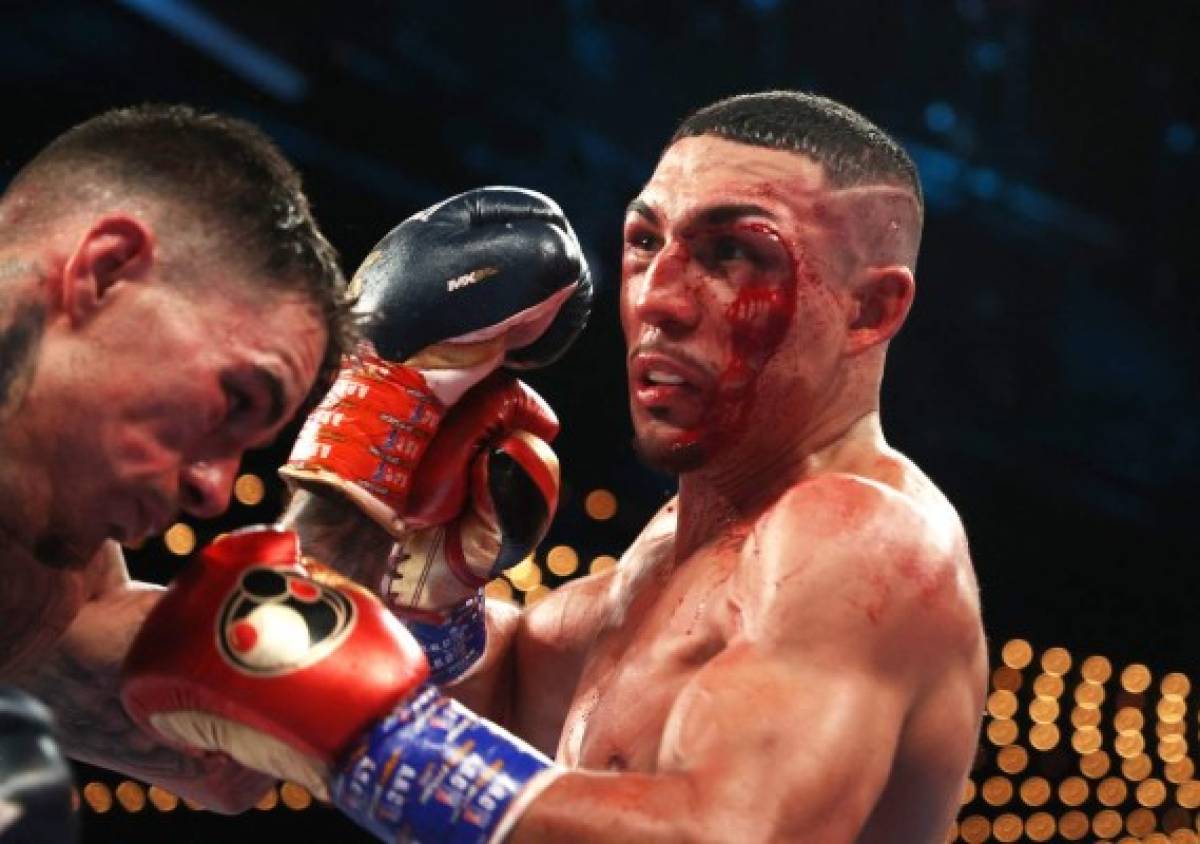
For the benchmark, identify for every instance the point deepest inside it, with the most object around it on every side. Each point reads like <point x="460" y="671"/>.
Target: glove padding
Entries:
<point x="35" y="779"/>
<point x="488" y="489"/>
<point x="272" y="659"/>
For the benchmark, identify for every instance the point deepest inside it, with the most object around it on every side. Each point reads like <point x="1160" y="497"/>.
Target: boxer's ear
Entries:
<point x="115" y="249"/>
<point x="880" y="302"/>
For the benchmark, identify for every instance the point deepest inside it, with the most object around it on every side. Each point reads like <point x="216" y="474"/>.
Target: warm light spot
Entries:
<point x="1094" y="765"/>
<point x="1151" y="792"/>
<point x="131" y="796"/>
<point x="1183" y="835"/>
<point x="180" y="539"/>
<point x="1056" y="661"/>
<point x="1129" y="745"/>
<point x="1107" y="823"/>
<point x="98" y="797"/>
<point x="562" y="560"/>
<point x="1073" y="825"/>
<point x="1172" y="748"/>
<point x="602" y="564"/>
<point x="525" y="575"/>
<point x="1171" y="710"/>
<point x="1048" y="686"/>
<point x="1043" y="710"/>
<point x="1072" y="791"/>
<point x="1140" y="822"/>
<point x="248" y="489"/>
<point x="1097" y="669"/>
<point x="600" y="504"/>
<point x="294" y="796"/>
<point x="1012" y="759"/>
<point x="1035" y="791"/>
<point x="1040" y="826"/>
<point x="1089" y="695"/>
<point x="269" y="800"/>
<point x="1016" y="653"/>
<point x="1135" y="678"/>
<point x="162" y="799"/>
<point x="499" y="590"/>
<point x="1181" y="771"/>
<point x="1175" y="685"/>
<point x="1006" y="679"/>
<point x="1128" y="720"/>
<point x="1002" y="704"/>
<point x="1043" y="736"/>
<point x="1007" y="827"/>
<point x="1162" y="729"/>
<point x="1086" y="740"/>
<point x="1112" y="791"/>
<point x="536" y="594"/>
<point x="1081" y="717"/>
<point x="968" y="791"/>
<point x="1187" y="795"/>
<point x="975" y="829"/>
<point x="1136" y="768"/>
<point x="996" y="791"/>
<point x="1002" y="732"/>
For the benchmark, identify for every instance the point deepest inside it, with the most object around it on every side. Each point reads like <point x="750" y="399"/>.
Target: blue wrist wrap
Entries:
<point x="454" y="644"/>
<point x="433" y="771"/>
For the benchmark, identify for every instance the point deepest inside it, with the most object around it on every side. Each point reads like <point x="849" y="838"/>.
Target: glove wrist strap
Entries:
<point x="453" y="641"/>
<point x="435" y="771"/>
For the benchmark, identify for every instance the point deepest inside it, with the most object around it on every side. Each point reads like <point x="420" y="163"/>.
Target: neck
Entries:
<point x="715" y="499"/>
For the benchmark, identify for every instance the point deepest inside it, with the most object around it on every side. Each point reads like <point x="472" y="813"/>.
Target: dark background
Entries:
<point x="1046" y="379"/>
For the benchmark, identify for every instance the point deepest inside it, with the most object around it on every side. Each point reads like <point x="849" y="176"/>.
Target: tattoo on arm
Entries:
<point x="79" y="679"/>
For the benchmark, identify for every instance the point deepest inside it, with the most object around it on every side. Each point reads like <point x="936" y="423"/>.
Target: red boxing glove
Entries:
<point x="367" y="437"/>
<point x="497" y="407"/>
<point x="278" y="662"/>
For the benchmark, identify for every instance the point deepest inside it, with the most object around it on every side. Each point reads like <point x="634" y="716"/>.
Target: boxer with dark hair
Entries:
<point x="790" y="651"/>
<point x="166" y="302"/>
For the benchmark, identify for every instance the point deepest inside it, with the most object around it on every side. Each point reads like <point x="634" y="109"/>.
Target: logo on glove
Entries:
<point x="276" y="622"/>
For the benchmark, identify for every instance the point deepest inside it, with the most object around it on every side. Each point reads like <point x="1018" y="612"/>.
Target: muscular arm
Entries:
<point x="79" y="680"/>
<point x="791" y="733"/>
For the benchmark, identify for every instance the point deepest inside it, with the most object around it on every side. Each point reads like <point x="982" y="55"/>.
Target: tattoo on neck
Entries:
<point x="19" y="340"/>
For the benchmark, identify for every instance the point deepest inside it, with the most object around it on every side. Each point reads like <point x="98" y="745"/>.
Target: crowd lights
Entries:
<point x="1082" y="750"/>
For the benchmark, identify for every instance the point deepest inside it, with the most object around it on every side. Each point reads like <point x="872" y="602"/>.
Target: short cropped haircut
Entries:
<point x="223" y="173"/>
<point x="851" y="149"/>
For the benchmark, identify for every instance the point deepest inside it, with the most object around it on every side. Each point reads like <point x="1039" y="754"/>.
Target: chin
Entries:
<point x="673" y="458"/>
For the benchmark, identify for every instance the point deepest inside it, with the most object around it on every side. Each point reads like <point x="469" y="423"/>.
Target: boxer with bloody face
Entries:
<point x="792" y="648"/>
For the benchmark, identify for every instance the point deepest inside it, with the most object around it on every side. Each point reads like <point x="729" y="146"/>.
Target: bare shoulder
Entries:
<point x="857" y="553"/>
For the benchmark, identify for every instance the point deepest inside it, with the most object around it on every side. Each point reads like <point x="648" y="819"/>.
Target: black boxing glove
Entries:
<point x="35" y="779"/>
<point x="492" y="264"/>
<point x="491" y="277"/>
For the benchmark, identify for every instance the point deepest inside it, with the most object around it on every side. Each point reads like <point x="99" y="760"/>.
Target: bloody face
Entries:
<point x="729" y="328"/>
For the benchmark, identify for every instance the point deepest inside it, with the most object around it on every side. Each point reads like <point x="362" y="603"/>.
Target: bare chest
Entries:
<point x="664" y="624"/>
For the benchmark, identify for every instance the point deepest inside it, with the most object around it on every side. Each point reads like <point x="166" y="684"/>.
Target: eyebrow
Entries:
<point x="714" y="216"/>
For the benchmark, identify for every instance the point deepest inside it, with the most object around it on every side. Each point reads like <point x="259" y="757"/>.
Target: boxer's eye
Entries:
<point x="641" y="239"/>
<point x="727" y="249"/>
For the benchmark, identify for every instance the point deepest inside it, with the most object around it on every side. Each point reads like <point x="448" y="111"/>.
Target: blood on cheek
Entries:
<point x="758" y="318"/>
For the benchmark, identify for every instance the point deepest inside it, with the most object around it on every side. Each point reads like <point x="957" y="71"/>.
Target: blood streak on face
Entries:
<point x="758" y="318"/>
